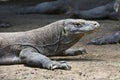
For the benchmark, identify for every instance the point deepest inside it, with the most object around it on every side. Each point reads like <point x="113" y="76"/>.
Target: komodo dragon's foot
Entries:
<point x="110" y="39"/>
<point x="59" y="65"/>
<point x="4" y="25"/>
<point x="97" y="41"/>
<point x="74" y="52"/>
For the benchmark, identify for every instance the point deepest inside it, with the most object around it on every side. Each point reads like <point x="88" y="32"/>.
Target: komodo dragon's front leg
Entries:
<point x="32" y="58"/>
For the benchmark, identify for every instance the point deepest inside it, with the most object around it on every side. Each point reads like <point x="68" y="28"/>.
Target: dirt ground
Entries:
<point x="101" y="62"/>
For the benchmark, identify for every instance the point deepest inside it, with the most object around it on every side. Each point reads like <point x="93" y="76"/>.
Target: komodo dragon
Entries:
<point x="32" y="47"/>
<point x="108" y="11"/>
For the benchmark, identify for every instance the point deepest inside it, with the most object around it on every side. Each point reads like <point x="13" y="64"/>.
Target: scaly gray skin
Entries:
<point x="53" y="7"/>
<point x="108" y="11"/>
<point x="32" y="47"/>
<point x="110" y="39"/>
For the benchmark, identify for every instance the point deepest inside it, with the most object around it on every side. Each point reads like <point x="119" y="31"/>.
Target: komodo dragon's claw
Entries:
<point x="60" y="65"/>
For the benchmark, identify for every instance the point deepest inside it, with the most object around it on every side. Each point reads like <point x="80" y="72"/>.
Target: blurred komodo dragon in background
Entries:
<point x="32" y="47"/>
<point x="110" y="39"/>
<point x="51" y="7"/>
<point x="108" y="11"/>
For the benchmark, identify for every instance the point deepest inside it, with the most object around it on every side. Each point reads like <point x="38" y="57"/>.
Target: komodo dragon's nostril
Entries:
<point x="95" y="24"/>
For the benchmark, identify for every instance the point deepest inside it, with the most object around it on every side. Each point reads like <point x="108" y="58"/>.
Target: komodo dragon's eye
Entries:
<point x="78" y="24"/>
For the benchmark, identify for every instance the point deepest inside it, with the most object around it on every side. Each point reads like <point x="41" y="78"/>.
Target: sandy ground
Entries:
<point x="101" y="62"/>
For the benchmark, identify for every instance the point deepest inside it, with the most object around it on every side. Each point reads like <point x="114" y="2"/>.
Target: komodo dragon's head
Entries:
<point x="79" y="26"/>
<point x="72" y="31"/>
